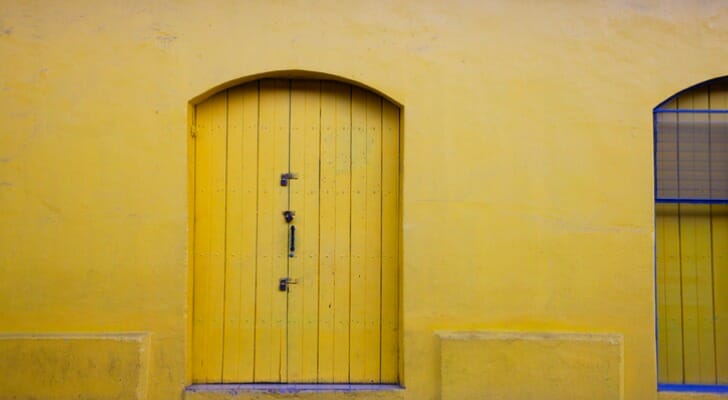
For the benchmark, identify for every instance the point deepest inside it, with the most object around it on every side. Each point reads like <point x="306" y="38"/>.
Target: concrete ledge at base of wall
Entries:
<point x="529" y="365"/>
<point x="74" y="366"/>
<point x="293" y="391"/>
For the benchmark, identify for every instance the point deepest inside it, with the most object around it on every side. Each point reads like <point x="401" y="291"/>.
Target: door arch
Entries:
<point x="312" y="297"/>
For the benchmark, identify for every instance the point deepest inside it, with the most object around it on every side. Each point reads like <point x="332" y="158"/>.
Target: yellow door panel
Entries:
<point x="241" y="226"/>
<point x="337" y="320"/>
<point x="341" y="111"/>
<point x="390" y="244"/>
<point x="303" y="267"/>
<point x="695" y="252"/>
<point x="669" y="277"/>
<point x="372" y="267"/>
<point x="358" y="233"/>
<point x="209" y="275"/>
<point x="660" y="258"/>
<point x="270" y="330"/>
<point x="327" y="235"/>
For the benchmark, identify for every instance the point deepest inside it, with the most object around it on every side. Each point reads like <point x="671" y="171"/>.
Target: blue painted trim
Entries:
<point x="691" y="201"/>
<point x="654" y="152"/>
<point x="689" y="111"/>
<point x="654" y="241"/>
<point x="289" y="388"/>
<point x="673" y="387"/>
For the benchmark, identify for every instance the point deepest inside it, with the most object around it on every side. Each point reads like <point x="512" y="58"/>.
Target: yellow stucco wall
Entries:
<point x="527" y="159"/>
<point x="523" y="366"/>
<point x="98" y="366"/>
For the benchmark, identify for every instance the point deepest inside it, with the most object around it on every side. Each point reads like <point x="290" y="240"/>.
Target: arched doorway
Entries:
<point x="296" y="224"/>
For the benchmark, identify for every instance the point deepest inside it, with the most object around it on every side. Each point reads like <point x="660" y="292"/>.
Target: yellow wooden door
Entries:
<point x="336" y="321"/>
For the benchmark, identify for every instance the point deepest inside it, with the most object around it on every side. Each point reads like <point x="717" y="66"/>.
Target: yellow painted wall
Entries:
<point x="527" y="159"/>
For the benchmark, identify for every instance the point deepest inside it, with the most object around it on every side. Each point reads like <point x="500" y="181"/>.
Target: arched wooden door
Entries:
<point x="308" y="299"/>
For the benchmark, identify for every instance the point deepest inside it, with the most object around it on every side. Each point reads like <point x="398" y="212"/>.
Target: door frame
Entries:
<point x="191" y="160"/>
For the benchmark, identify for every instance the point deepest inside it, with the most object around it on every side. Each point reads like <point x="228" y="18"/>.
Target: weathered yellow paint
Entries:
<point x="524" y="366"/>
<point x="99" y="366"/>
<point x="526" y="169"/>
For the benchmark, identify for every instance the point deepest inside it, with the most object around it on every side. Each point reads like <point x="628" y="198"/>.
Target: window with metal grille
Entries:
<point x="691" y="238"/>
<point x="691" y="151"/>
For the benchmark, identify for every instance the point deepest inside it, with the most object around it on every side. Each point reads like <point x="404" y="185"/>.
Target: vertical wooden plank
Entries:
<point x="706" y="328"/>
<point x="668" y="246"/>
<point x="239" y="336"/>
<point x="304" y="195"/>
<point x="272" y="255"/>
<point x="704" y="266"/>
<point x="390" y="243"/>
<point x="342" y="94"/>
<point x="327" y="235"/>
<point x="358" y="345"/>
<point x="695" y="246"/>
<point x="295" y="303"/>
<point x="373" y="238"/>
<point x="660" y="261"/>
<point x="210" y="239"/>
<point x="249" y="226"/>
<point x="719" y="218"/>
<point x="233" y="268"/>
<point x="720" y="289"/>
<point x="688" y="261"/>
<point x="310" y="241"/>
<point x="201" y="358"/>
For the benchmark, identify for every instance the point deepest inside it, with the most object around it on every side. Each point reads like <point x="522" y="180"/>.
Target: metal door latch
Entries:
<point x="284" y="282"/>
<point x="292" y="242"/>
<point x="288" y="215"/>
<point x="287" y="177"/>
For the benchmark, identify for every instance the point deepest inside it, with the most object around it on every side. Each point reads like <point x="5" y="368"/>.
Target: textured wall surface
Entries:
<point x="74" y="366"/>
<point x="526" y="161"/>
<point x="522" y="366"/>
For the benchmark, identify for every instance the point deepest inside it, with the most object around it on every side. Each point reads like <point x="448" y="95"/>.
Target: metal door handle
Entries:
<point x="292" y="242"/>
<point x="284" y="282"/>
<point x="287" y="177"/>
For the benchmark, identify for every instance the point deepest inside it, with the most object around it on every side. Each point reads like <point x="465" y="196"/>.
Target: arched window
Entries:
<point x="691" y="223"/>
